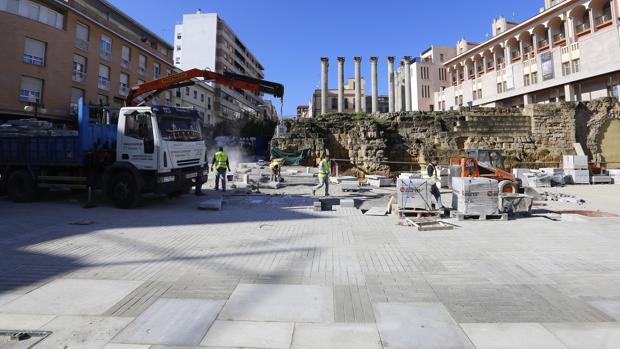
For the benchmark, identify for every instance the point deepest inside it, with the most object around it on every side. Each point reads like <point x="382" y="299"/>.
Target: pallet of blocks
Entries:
<point x="615" y="175"/>
<point x="414" y="194"/>
<point x="476" y="198"/>
<point x="576" y="169"/>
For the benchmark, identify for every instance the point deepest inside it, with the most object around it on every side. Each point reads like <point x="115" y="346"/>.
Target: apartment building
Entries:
<point x="201" y="97"/>
<point x="205" y="41"/>
<point x="54" y="52"/>
<point x="428" y="75"/>
<point x="567" y="52"/>
<point x="332" y="99"/>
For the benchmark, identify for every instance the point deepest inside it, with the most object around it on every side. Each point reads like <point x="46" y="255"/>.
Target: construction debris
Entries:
<point x="559" y="197"/>
<point x="379" y="181"/>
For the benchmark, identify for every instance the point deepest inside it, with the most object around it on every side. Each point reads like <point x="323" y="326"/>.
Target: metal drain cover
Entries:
<point x="21" y="339"/>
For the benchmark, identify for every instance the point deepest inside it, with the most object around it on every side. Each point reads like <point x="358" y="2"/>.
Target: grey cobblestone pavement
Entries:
<point x="268" y="272"/>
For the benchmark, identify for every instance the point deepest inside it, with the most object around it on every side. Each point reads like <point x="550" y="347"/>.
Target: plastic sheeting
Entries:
<point x="291" y="159"/>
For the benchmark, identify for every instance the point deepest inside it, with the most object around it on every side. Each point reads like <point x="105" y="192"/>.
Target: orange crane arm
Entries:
<point x="228" y="79"/>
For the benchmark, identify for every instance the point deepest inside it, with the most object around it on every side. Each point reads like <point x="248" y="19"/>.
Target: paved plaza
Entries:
<point x="268" y="272"/>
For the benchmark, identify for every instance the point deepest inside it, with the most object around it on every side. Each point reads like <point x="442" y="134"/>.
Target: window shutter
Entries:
<point x="125" y="53"/>
<point x="32" y="84"/>
<point x="34" y="48"/>
<point x="104" y="71"/>
<point x="79" y="60"/>
<point x="124" y="79"/>
<point x="81" y="32"/>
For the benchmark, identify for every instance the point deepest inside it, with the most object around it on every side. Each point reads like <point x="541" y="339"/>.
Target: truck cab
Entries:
<point x="159" y="149"/>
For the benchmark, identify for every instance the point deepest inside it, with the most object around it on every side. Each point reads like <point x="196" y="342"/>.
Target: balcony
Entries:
<point x="81" y="44"/>
<point x="78" y="76"/>
<point x="125" y="63"/>
<point x="583" y="28"/>
<point x="516" y="55"/>
<point x="104" y="83"/>
<point x="543" y="45"/>
<point x="602" y="21"/>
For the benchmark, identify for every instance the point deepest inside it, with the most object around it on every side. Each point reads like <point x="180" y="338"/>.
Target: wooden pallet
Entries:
<point x="484" y="217"/>
<point x="418" y="213"/>
<point x="428" y="224"/>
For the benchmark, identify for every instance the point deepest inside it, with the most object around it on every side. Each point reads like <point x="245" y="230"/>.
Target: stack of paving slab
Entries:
<point x="615" y="175"/>
<point x="557" y="175"/>
<point x="414" y="193"/>
<point x="444" y="176"/>
<point x="576" y="169"/>
<point x="520" y="173"/>
<point x="475" y="195"/>
<point x="537" y="180"/>
<point x="379" y="181"/>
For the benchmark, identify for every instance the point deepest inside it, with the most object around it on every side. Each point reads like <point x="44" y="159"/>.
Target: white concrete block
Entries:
<point x="587" y="335"/>
<point x="172" y="322"/>
<point x="211" y="204"/>
<point x="23" y="322"/>
<point x="336" y="336"/>
<point x="418" y="325"/>
<point x="347" y="203"/>
<point x="511" y="336"/>
<point x="72" y="297"/>
<point x="84" y="332"/>
<point x="286" y="303"/>
<point x="273" y="335"/>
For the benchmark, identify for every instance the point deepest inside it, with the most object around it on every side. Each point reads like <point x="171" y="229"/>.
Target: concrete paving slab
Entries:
<point x="611" y="308"/>
<point x="84" y="332"/>
<point x="511" y="336"/>
<point x="8" y="297"/>
<point x="587" y="335"/>
<point x="72" y="297"/>
<point x="418" y="325"/>
<point x="249" y="334"/>
<point x="336" y="336"/>
<point x="285" y="303"/>
<point x="23" y="322"/>
<point x="172" y="322"/>
<point x="211" y="204"/>
<point x="126" y="346"/>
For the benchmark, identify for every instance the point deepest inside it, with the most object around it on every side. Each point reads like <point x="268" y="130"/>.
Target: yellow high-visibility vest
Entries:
<point x="324" y="168"/>
<point x="221" y="159"/>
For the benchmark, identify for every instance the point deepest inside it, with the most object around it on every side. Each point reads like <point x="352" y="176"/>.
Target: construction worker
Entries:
<point x="275" y="167"/>
<point x="432" y="173"/>
<point x="220" y="162"/>
<point x="325" y="171"/>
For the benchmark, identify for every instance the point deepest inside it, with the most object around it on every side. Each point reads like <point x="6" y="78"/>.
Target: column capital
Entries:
<point x="341" y="59"/>
<point x="407" y="59"/>
<point x="391" y="59"/>
<point x="357" y="59"/>
<point x="374" y="59"/>
<point x="325" y="59"/>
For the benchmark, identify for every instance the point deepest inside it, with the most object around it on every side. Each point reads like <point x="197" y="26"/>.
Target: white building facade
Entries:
<point x="568" y="52"/>
<point x="428" y="75"/>
<point x="205" y="41"/>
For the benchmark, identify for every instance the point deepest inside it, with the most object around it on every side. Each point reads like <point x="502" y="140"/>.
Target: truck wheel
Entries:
<point x="21" y="186"/>
<point x="507" y="186"/>
<point x="123" y="191"/>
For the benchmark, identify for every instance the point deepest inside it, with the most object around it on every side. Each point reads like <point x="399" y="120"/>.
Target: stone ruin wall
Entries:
<point x="537" y="134"/>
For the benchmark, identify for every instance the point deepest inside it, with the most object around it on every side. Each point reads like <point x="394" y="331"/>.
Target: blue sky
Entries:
<point x="290" y="36"/>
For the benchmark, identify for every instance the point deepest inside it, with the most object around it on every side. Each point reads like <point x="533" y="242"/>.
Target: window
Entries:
<point x="142" y="65"/>
<point x="34" y="52"/>
<point x="534" y="78"/>
<point x="31" y="90"/>
<point x="334" y="103"/>
<point x="124" y="85"/>
<point x="79" y="68"/>
<point x="34" y="11"/>
<point x="575" y="65"/>
<point x="566" y="68"/>
<point x="177" y="61"/>
<point x="499" y="87"/>
<point x="202" y="97"/>
<point x="125" y="57"/>
<point x="612" y="91"/>
<point x="526" y="80"/>
<point x="195" y="94"/>
<point x="475" y="95"/>
<point x="168" y="72"/>
<point x="346" y="103"/>
<point x="76" y="94"/>
<point x="460" y="100"/>
<point x="138" y="126"/>
<point x="209" y="103"/>
<point x="156" y="70"/>
<point x="441" y="57"/>
<point x="103" y="100"/>
<point x="179" y="36"/>
<point x="178" y="47"/>
<point x="105" y="48"/>
<point x="81" y="37"/>
<point x="187" y="91"/>
<point x="480" y="93"/>
<point x="104" y="77"/>
<point x="168" y="99"/>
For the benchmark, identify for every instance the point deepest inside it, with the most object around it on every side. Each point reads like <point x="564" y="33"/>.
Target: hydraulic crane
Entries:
<point x="184" y="78"/>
